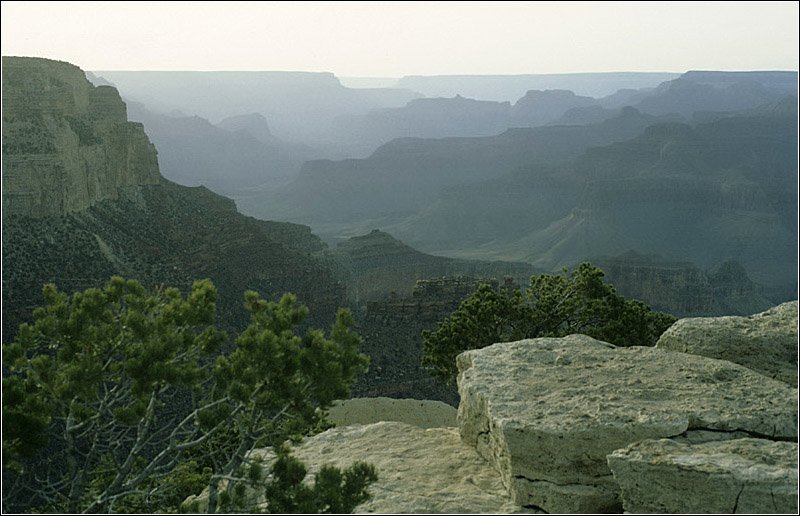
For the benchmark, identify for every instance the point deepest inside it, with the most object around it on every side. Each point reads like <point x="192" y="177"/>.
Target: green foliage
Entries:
<point x="553" y="306"/>
<point x="90" y="396"/>
<point x="79" y="348"/>
<point x="334" y="491"/>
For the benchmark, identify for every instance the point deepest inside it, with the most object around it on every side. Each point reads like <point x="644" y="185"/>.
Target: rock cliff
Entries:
<point x="66" y="143"/>
<point x="83" y="200"/>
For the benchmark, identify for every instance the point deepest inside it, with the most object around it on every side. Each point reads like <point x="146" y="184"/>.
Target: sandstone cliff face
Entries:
<point x="66" y="143"/>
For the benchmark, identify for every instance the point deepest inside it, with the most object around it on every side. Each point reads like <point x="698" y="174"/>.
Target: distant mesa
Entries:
<point x="541" y="107"/>
<point x="253" y="124"/>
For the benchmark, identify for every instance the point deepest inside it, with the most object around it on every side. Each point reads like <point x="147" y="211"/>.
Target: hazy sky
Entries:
<point x="391" y="39"/>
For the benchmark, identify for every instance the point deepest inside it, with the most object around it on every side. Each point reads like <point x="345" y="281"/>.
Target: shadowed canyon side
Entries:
<point x="720" y="189"/>
<point x="238" y="154"/>
<point x="406" y="174"/>
<point x="83" y="200"/>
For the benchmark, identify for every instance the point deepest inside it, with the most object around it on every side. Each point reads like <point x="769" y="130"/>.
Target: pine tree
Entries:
<point x="113" y="401"/>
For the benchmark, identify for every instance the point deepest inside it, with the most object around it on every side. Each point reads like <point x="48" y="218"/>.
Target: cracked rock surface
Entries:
<point x="765" y="342"/>
<point x="546" y="412"/>
<point x="419" y="470"/>
<point x="754" y="476"/>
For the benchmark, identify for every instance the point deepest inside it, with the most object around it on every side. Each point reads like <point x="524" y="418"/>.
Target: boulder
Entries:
<point x="546" y="412"/>
<point x="419" y="470"/>
<point x="764" y="342"/>
<point x="754" y="476"/>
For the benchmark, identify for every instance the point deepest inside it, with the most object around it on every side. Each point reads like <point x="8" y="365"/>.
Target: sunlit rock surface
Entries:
<point x="546" y="412"/>
<point x="765" y="342"/>
<point x="419" y="470"/>
<point x="739" y="476"/>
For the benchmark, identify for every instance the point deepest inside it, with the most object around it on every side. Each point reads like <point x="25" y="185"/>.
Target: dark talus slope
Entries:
<point x="407" y="174"/>
<point x="134" y="223"/>
<point x="392" y="328"/>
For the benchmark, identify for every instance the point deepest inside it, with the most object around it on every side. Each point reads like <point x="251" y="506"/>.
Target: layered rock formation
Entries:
<point x="83" y="200"/>
<point x="750" y="476"/>
<point x="546" y="412"/>
<point x="66" y="143"/>
<point x="682" y="289"/>
<point x="423" y="118"/>
<point x="407" y="175"/>
<point x="765" y="342"/>
<point x="539" y="107"/>
<point x="229" y="158"/>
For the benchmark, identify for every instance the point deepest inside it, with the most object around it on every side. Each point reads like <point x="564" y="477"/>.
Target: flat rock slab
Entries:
<point x="422" y="413"/>
<point x="740" y="476"/>
<point x="546" y="412"/>
<point x="419" y="470"/>
<point x="764" y="342"/>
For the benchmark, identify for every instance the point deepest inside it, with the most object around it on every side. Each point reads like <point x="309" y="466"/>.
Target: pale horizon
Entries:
<point x="397" y="39"/>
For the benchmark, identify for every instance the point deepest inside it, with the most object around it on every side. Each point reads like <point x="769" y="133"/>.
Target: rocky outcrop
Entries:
<point x="253" y="124"/>
<point x="409" y="481"/>
<point x="546" y="412"/>
<point x="765" y="342"/>
<point x="737" y="476"/>
<point x="66" y="143"/>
